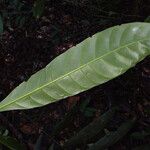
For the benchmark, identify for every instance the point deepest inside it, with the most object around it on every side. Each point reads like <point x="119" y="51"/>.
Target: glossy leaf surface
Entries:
<point x="94" y="61"/>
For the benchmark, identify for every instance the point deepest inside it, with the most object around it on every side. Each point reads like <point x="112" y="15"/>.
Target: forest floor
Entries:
<point x="26" y="50"/>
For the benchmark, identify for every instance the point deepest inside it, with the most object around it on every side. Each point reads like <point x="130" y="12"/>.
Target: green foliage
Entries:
<point x="94" y="61"/>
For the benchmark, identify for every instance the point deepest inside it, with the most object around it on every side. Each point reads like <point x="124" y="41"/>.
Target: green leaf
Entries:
<point x="1" y="24"/>
<point x="94" y="61"/>
<point x="11" y="143"/>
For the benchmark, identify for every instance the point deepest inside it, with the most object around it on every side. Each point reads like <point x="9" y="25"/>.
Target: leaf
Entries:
<point x="11" y="143"/>
<point x="94" y="61"/>
<point x="90" y="131"/>
<point x="38" y="8"/>
<point x="1" y="24"/>
<point x="113" y="137"/>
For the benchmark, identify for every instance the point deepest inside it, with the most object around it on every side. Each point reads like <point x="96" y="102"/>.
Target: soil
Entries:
<point x="27" y="49"/>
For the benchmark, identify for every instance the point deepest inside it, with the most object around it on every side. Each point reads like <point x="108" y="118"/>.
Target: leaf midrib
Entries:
<point x="82" y="66"/>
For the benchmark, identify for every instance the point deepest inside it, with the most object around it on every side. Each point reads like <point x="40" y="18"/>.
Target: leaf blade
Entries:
<point x="83" y="67"/>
